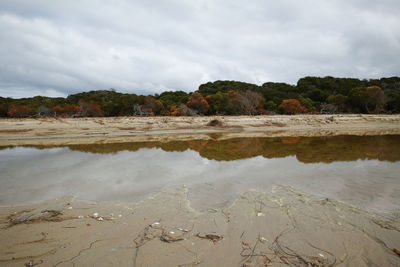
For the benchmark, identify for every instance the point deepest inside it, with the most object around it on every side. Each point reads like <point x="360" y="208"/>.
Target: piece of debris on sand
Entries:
<point x="33" y="216"/>
<point x="214" y="123"/>
<point x="212" y="237"/>
<point x="171" y="236"/>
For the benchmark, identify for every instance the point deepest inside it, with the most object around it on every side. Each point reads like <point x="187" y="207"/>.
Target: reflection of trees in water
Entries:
<point x="290" y="140"/>
<point x="306" y="149"/>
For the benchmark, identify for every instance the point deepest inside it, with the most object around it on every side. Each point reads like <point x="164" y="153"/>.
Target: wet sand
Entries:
<point x="67" y="131"/>
<point x="277" y="228"/>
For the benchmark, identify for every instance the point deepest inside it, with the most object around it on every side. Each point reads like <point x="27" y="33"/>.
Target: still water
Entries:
<point x="360" y="170"/>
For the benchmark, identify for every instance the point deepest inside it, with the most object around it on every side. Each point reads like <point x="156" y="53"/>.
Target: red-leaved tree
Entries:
<point x="57" y="110"/>
<point x="71" y="109"/>
<point x="67" y="111"/>
<point x="174" y="111"/>
<point x="20" y="111"/>
<point x="152" y="106"/>
<point x="198" y="102"/>
<point x="291" y="106"/>
<point x="90" y="109"/>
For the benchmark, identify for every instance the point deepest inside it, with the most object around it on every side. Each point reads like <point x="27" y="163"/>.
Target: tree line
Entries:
<point x="309" y="95"/>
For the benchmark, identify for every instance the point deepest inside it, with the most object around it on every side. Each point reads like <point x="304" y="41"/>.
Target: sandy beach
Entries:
<point x="279" y="227"/>
<point x="65" y="131"/>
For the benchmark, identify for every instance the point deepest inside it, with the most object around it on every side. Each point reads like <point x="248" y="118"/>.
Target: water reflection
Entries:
<point x="363" y="171"/>
<point x="306" y="149"/>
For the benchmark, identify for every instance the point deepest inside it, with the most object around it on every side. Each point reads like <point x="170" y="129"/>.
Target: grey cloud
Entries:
<point x="60" y="47"/>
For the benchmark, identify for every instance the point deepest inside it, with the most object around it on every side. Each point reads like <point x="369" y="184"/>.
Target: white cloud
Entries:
<point x="61" y="47"/>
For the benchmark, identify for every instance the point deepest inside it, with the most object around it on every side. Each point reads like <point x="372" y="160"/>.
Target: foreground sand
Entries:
<point x="50" y="131"/>
<point x="281" y="227"/>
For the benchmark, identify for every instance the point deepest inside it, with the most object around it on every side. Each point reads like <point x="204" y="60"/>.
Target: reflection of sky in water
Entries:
<point x="29" y="175"/>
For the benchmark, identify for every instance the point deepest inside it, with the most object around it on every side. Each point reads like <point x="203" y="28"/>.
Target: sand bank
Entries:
<point x="64" y="131"/>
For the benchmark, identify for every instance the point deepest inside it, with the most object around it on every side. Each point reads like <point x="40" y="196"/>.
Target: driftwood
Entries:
<point x="28" y="216"/>
<point x="213" y="237"/>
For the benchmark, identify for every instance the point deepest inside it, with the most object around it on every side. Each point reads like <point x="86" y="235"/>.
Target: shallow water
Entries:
<point x="362" y="171"/>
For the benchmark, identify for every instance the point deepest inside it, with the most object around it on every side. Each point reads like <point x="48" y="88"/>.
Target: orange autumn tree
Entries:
<point x="234" y="103"/>
<point x="174" y="111"/>
<point x="19" y="111"/>
<point x="198" y="102"/>
<point x="291" y="106"/>
<point x="71" y="109"/>
<point x="57" y="110"/>
<point x="152" y="106"/>
<point x="90" y="109"/>
<point x="67" y="111"/>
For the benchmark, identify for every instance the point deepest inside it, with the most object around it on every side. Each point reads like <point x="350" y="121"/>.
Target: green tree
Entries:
<point x="339" y="101"/>
<point x="218" y="103"/>
<point x="171" y="98"/>
<point x="270" y="106"/>
<point x="358" y="99"/>
<point x="307" y="103"/>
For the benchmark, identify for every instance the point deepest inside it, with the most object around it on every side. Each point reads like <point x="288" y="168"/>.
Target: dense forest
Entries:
<point x="309" y="95"/>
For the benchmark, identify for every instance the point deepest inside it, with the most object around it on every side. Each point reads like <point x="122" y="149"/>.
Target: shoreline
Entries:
<point x="65" y="131"/>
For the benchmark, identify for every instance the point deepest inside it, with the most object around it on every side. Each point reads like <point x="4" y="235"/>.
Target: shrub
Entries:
<point x="291" y="106"/>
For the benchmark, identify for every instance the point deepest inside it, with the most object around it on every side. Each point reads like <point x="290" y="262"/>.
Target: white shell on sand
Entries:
<point x="155" y="225"/>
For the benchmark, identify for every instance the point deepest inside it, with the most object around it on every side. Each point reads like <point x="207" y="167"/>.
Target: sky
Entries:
<point x="58" y="47"/>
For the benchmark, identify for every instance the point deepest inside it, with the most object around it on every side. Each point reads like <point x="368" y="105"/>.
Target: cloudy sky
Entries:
<point x="58" y="47"/>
